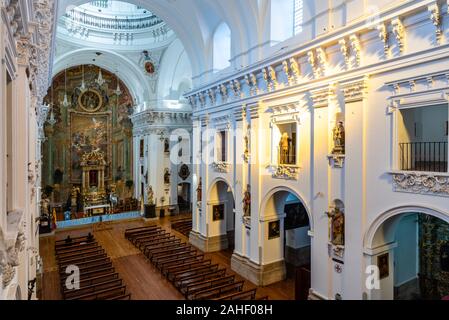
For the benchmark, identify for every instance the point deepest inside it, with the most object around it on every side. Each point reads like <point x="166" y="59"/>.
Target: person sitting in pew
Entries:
<point x="68" y="240"/>
<point x="90" y="237"/>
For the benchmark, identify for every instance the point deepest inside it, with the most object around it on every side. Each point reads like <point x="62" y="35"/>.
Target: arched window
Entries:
<point x="222" y="47"/>
<point x="286" y="19"/>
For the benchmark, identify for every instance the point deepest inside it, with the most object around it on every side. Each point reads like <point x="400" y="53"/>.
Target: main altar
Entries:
<point x="95" y="200"/>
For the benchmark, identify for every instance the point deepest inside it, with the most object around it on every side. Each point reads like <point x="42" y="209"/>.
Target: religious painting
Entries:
<point x="296" y="216"/>
<point x="90" y="100"/>
<point x="184" y="172"/>
<point x="149" y="67"/>
<point x="218" y="212"/>
<point x="274" y="229"/>
<point x="444" y="257"/>
<point x="88" y="133"/>
<point x="383" y="265"/>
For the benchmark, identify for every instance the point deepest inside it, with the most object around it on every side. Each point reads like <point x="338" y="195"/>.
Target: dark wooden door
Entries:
<point x="302" y="283"/>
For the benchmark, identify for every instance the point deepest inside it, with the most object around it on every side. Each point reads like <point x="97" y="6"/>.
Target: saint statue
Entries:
<point x="150" y="195"/>
<point x="45" y="206"/>
<point x="167" y="176"/>
<point x="284" y="145"/>
<point x="339" y="138"/>
<point x="199" y="191"/>
<point x="75" y="191"/>
<point x="247" y="202"/>
<point x="337" y="226"/>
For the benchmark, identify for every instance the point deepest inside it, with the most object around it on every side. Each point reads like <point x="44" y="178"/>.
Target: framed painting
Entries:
<point x="218" y="212"/>
<point x="89" y="132"/>
<point x="274" y="229"/>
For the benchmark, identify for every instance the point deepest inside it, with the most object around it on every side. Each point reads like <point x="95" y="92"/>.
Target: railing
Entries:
<point x="424" y="156"/>
<point x="114" y="23"/>
<point x="100" y="3"/>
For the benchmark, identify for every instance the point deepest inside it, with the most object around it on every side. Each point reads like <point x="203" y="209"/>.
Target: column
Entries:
<point x="355" y="186"/>
<point x="321" y="262"/>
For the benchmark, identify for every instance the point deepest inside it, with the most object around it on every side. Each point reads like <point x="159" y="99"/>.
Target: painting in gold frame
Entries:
<point x="89" y="132"/>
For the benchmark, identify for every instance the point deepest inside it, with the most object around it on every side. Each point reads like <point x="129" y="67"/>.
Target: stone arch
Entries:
<point x="214" y="182"/>
<point x="128" y="72"/>
<point x="274" y="191"/>
<point x="396" y="214"/>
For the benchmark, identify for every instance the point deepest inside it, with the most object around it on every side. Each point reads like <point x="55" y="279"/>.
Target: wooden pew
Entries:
<point x="155" y="239"/>
<point x="244" y="295"/>
<point x="148" y="235"/>
<point x="75" y="248"/>
<point x="159" y="262"/>
<point x="180" y="276"/>
<point x="159" y="244"/>
<point x="85" y="264"/>
<point x="172" y="272"/>
<point x="87" y="269"/>
<point x="87" y="275"/>
<point x="177" y="262"/>
<point x="142" y="232"/>
<point x="79" y="253"/>
<point x="183" y="282"/>
<point x="73" y="240"/>
<point x="217" y="291"/>
<point x="93" y="288"/>
<point x="73" y="243"/>
<point x="94" y="280"/>
<point x="179" y="249"/>
<point x="166" y="249"/>
<point x="132" y="231"/>
<point x="102" y="294"/>
<point x="174" y="255"/>
<point x="81" y="259"/>
<point x="190" y="290"/>
<point x="121" y="297"/>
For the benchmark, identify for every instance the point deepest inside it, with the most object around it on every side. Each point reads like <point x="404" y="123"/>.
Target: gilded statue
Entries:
<point x="284" y="145"/>
<point x="339" y="138"/>
<point x="337" y="226"/>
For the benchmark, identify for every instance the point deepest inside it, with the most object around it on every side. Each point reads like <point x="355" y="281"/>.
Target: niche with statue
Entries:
<point x="336" y="217"/>
<point x="337" y="156"/>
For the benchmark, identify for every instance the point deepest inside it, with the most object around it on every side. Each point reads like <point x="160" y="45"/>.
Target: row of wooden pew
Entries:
<point x="97" y="280"/>
<point x="194" y="275"/>
<point x="183" y="226"/>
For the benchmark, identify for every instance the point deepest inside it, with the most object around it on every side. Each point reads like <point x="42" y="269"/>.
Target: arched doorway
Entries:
<point x="409" y="250"/>
<point x="287" y="239"/>
<point x="221" y="208"/>
<point x="184" y="197"/>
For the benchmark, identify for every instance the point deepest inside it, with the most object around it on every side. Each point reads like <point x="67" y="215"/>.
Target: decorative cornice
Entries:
<point x="321" y="97"/>
<point x="355" y="90"/>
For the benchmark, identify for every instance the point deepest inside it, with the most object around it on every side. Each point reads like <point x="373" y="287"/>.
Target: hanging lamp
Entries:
<point x="83" y="83"/>
<point x="117" y="91"/>
<point x="100" y="81"/>
<point x="65" y="102"/>
<point x="52" y="120"/>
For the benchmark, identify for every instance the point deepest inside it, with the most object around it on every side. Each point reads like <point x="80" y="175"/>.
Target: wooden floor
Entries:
<point x="143" y="281"/>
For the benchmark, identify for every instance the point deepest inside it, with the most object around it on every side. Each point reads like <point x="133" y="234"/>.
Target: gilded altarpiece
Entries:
<point x="96" y="118"/>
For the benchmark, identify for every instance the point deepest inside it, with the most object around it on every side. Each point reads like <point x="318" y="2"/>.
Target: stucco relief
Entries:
<point x="422" y="183"/>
